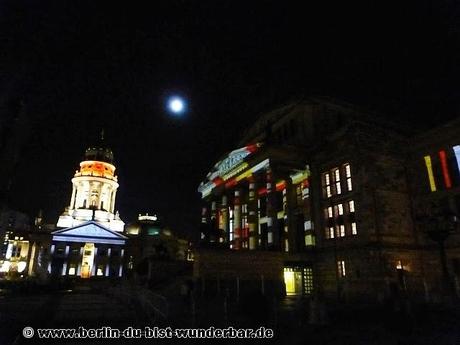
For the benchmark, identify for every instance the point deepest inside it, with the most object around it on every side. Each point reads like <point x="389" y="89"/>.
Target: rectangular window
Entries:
<point x="308" y="280"/>
<point x="351" y="206"/>
<point x="347" y="170"/>
<point x="327" y="185"/>
<point x="330" y="232"/>
<point x="309" y="240"/>
<point x="354" y="231"/>
<point x="341" y="230"/>
<point x="329" y="212"/>
<point x="338" y="187"/>
<point x="340" y="209"/>
<point x="72" y="269"/>
<point x="341" y="268"/>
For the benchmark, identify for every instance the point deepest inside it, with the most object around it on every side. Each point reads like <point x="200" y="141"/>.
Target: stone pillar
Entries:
<point x="252" y="214"/>
<point x="72" y="198"/>
<point x="112" y="202"/>
<point x="224" y="216"/>
<point x="292" y="232"/>
<point x="272" y="236"/>
<point x="64" y="268"/>
<point x="93" y="269"/>
<point x="285" y="241"/>
<point x="237" y="220"/>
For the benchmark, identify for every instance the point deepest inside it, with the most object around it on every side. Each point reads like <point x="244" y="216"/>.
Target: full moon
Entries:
<point x="176" y="105"/>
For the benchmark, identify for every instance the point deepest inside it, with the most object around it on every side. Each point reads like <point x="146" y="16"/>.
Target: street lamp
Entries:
<point x="439" y="227"/>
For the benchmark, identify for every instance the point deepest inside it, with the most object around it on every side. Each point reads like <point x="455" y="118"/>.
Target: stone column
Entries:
<point x="272" y="236"/>
<point x="237" y="220"/>
<point x="252" y="213"/>
<point x="112" y="202"/>
<point x="224" y="216"/>
<point x="94" y="268"/>
<point x="64" y="268"/>
<point x="107" y="267"/>
<point x="291" y="230"/>
<point x="72" y="198"/>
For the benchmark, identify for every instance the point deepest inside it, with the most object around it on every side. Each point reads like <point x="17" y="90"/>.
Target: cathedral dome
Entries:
<point x="99" y="153"/>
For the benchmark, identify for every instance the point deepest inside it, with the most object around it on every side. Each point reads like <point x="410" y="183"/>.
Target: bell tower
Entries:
<point x="94" y="189"/>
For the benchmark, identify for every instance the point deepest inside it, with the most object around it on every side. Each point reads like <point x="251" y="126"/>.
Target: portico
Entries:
<point x="87" y="250"/>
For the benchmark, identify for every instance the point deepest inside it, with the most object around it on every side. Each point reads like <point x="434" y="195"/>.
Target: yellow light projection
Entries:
<point x="429" y="169"/>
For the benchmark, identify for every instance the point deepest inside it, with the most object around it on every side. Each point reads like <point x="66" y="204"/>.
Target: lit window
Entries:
<point x="329" y="212"/>
<point x="327" y="185"/>
<point x="351" y="206"/>
<point x="340" y="209"/>
<point x="307" y="280"/>
<point x="309" y="240"/>
<point x="72" y="270"/>
<point x="342" y="230"/>
<point x="341" y="268"/>
<point x="347" y="169"/>
<point x="99" y="271"/>
<point x="338" y="187"/>
<point x="354" y="231"/>
<point x="331" y="232"/>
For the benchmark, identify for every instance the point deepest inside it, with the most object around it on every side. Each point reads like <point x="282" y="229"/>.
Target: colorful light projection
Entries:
<point x="444" y="164"/>
<point x="232" y="165"/>
<point x="456" y="149"/>
<point x="429" y="169"/>
<point x="445" y="169"/>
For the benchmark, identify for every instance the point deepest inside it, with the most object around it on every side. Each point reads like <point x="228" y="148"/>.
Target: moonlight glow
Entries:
<point x="176" y="105"/>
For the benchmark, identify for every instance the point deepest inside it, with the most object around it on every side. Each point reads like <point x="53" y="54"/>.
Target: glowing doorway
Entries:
<point x="293" y="281"/>
<point x="87" y="260"/>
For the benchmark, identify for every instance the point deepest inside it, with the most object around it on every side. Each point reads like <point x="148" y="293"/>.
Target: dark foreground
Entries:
<point x="123" y="306"/>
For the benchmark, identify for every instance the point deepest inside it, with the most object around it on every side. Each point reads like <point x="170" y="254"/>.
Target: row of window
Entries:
<point x="340" y="220"/>
<point x="337" y="180"/>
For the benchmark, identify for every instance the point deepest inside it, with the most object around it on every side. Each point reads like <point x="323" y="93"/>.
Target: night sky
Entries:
<point x="80" y="66"/>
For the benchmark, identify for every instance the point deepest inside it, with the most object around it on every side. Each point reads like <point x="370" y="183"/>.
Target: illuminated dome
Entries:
<point x="100" y="154"/>
<point x="94" y="191"/>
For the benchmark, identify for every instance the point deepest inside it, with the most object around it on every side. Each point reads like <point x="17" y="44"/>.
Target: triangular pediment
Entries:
<point x="89" y="229"/>
<point x="231" y="160"/>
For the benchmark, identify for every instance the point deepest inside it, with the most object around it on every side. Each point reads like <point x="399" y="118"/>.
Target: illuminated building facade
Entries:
<point x="434" y="172"/>
<point x="14" y="249"/>
<point x="316" y="199"/>
<point x="91" y="243"/>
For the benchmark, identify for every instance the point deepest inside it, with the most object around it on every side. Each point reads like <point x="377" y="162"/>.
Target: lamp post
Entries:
<point x="439" y="228"/>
